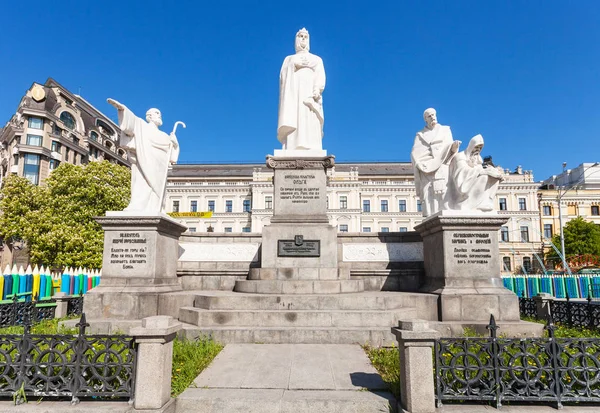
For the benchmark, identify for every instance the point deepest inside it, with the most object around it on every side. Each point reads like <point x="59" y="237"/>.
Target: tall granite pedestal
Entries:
<point x="462" y="265"/>
<point x="299" y="247"/>
<point x="139" y="263"/>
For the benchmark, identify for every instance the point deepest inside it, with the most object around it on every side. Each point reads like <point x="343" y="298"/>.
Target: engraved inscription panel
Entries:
<point x="471" y="248"/>
<point x="128" y="250"/>
<point x="289" y="248"/>
<point x="300" y="192"/>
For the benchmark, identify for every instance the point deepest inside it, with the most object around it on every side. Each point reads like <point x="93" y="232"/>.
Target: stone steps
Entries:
<point x="375" y="336"/>
<point x="294" y="318"/>
<point x="299" y="286"/>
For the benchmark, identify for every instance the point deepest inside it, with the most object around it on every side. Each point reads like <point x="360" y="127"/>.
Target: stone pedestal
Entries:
<point x="462" y="265"/>
<point x="139" y="263"/>
<point x="299" y="247"/>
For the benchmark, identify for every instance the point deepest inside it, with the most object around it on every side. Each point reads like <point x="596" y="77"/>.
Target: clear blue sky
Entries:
<point x="525" y="74"/>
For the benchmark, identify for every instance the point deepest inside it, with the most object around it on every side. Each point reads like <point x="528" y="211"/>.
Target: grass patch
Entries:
<point x="190" y="357"/>
<point x="386" y="361"/>
<point x="49" y="326"/>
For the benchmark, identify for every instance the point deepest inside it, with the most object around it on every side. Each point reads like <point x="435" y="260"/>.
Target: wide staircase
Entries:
<point x="346" y="318"/>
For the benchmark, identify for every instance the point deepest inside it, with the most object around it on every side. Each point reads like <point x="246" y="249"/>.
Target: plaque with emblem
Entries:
<point x="298" y="247"/>
<point x="38" y="93"/>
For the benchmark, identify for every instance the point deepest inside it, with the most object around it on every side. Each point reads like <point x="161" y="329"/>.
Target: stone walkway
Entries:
<point x="279" y="378"/>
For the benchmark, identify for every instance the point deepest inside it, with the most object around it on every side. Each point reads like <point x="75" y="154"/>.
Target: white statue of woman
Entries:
<point x="472" y="185"/>
<point x="150" y="152"/>
<point x="301" y="85"/>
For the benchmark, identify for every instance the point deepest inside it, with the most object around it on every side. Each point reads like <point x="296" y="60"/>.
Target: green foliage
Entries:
<point x="581" y="238"/>
<point x="51" y="326"/>
<point x="386" y="361"/>
<point x="189" y="359"/>
<point x="56" y="220"/>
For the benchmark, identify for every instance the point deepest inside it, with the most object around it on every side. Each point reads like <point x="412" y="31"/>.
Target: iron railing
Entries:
<point x="74" y="306"/>
<point x="492" y="369"/>
<point x="584" y="314"/>
<point x="527" y="307"/>
<point x="75" y="366"/>
<point x="18" y="313"/>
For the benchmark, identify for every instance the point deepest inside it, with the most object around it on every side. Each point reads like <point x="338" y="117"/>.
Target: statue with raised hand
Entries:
<point x="151" y="152"/>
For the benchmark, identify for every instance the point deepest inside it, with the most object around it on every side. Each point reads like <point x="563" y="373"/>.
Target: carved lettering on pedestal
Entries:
<point x="129" y="250"/>
<point x="471" y="248"/>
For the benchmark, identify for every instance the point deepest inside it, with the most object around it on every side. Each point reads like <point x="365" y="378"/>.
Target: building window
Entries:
<point x="68" y="120"/>
<point x="228" y="205"/>
<point x="246" y="205"/>
<point x="504" y="234"/>
<point x="53" y="164"/>
<point x="524" y="234"/>
<point x="547" y="231"/>
<point x="67" y="153"/>
<point x="228" y="229"/>
<point x="246" y="229"/>
<point x="268" y="202"/>
<point x="36" y="123"/>
<point x="175" y="206"/>
<point x="595" y="210"/>
<point x="56" y="129"/>
<point x="31" y="170"/>
<point x="366" y="229"/>
<point x="384" y="205"/>
<point x="366" y="205"/>
<point x="192" y="229"/>
<point x="56" y="146"/>
<point x="502" y="204"/>
<point x="547" y="210"/>
<point x="402" y="205"/>
<point x="343" y="202"/>
<point x="506" y="263"/>
<point x="385" y="229"/>
<point x="75" y="140"/>
<point x="94" y="136"/>
<point x="419" y="207"/>
<point x="343" y="227"/>
<point x="522" y="204"/>
<point x="526" y="264"/>
<point x="403" y="229"/>
<point x="211" y="205"/>
<point x="16" y="159"/>
<point x="193" y="206"/>
<point x="34" y="140"/>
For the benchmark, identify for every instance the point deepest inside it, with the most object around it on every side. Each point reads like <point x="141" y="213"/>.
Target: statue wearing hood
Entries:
<point x="301" y="84"/>
<point x="472" y="185"/>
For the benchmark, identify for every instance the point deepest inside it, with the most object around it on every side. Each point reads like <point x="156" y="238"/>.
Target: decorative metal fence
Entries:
<point x="18" y="313"/>
<point x="554" y="370"/>
<point x="528" y="307"/>
<point x="75" y="306"/>
<point x="576" y="313"/>
<point x="75" y="366"/>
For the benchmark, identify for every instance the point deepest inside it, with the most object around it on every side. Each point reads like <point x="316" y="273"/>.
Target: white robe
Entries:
<point x="301" y="119"/>
<point x="150" y="153"/>
<point x="430" y="157"/>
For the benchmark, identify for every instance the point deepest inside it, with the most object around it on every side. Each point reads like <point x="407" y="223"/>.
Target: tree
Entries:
<point x="57" y="219"/>
<point x="582" y="238"/>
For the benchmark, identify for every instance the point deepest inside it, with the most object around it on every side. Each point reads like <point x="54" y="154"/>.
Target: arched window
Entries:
<point x="104" y="128"/>
<point x="94" y="136"/>
<point x="68" y="120"/>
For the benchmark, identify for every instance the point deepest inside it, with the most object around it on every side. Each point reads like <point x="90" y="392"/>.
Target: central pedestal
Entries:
<point x="462" y="265"/>
<point x="299" y="247"/>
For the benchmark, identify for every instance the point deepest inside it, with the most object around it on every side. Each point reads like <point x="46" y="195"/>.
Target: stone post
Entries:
<point x="154" y="361"/>
<point x="542" y="304"/>
<point x="61" y="305"/>
<point x="417" y="385"/>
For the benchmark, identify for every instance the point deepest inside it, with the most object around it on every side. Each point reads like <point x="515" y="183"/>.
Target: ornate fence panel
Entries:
<point x="527" y="307"/>
<point x="76" y="366"/>
<point x="576" y="313"/>
<point x="18" y="313"/>
<point x="498" y="369"/>
<point x="75" y="306"/>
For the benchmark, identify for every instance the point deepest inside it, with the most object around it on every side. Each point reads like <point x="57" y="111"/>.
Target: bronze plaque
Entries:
<point x="298" y="247"/>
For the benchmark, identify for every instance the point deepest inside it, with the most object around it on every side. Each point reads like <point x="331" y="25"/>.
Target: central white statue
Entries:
<point x="151" y="152"/>
<point x="431" y="154"/>
<point x="301" y="85"/>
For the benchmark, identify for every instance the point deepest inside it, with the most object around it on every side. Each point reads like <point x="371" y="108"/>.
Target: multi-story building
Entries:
<point x="50" y="126"/>
<point x="576" y="192"/>
<point x="361" y="197"/>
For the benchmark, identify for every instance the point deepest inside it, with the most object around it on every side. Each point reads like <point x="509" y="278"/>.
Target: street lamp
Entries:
<point x="559" y="197"/>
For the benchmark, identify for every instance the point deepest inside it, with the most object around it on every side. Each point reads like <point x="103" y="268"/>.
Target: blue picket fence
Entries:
<point x="576" y="285"/>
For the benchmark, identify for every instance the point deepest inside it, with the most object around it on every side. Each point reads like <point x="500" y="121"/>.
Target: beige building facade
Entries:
<point x="361" y="197"/>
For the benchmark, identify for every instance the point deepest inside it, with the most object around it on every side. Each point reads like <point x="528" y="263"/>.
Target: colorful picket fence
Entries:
<point x="41" y="283"/>
<point x="576" y="285"/>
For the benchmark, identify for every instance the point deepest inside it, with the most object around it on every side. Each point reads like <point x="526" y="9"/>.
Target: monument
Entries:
<point x="460" y="232"/>
<point x="299" y="247"/>
<point x="141" y="246"/>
